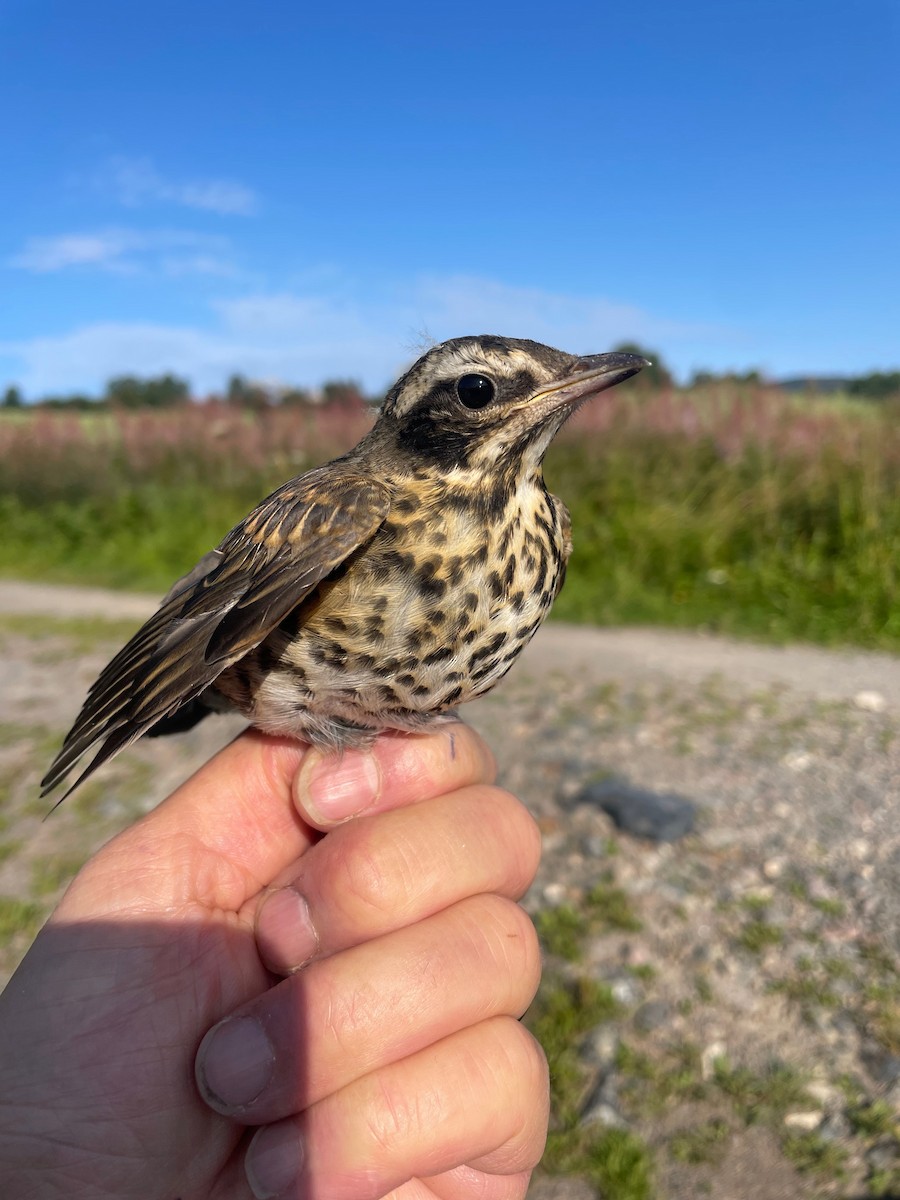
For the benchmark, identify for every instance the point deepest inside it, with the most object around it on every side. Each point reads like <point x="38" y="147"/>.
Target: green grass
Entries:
<point x="757" y="936"/>
<point x="762" y="1096"/>
<point x="561" y="931"/>
<point x="615" y="1161"/>
<point x="669" y="532"/>
<point x="809" y="1152"/>
<point x="741" y="513"/>
<point x="82" y="633"/>
<point x="606" y="909"/>
<point x="141" y="539"/>
<point x="619" y="1164"/>
<point x="704" y="1143"/>
<point x="875" y="1119"/>
<point x="653" y="1082"/>
<point x="19" y="917"/>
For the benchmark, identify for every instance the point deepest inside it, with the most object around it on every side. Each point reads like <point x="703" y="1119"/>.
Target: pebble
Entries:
<point x="596" y="846"/>
<point x="624" y="990"/>
<point x="834" y="1127"/>
<point x="652" y="1015"/>
<point x="773" y="868"/>
<point x="605" y="1115"/>
<point x="798" y="760"/>
<point x="870" y="702"/>
<point x="601" y="1107"/>
<point x="600" y="1046"/>
<point x="884" y="1066"/>
<point x="656" y="816"/>
<point x="806" y="1121"/>
<point x="555" y="894"/>
<point x="709" y="1056"/>
<point x="883" y="1155"/>
<point x="822" y="1093"/>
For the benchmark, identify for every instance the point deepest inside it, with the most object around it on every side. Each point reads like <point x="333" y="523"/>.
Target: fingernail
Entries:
<point x="284" y="930"/>
<point x="234" y="1063"/>
<point x="273" y="1162"/>
<point x="334" y="787"/>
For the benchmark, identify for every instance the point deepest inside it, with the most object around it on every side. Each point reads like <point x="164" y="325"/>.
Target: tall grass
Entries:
<point x="739" y="511"/>
<point x="133" y="499"/>
<point x="734" y="509"/>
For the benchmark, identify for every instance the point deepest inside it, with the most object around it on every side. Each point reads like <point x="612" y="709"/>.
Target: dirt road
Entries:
<point x="604" y="653"/>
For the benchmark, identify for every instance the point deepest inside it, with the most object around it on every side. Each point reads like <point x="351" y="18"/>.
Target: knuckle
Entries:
<point x="393" y="1116"/>
<point x="507" y="935"/>
<point x="364" y="884"/>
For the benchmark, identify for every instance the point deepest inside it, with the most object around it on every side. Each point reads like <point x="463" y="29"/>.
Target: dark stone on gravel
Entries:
<point x="602" y="1106"/>
<point x="884" y="1066"/>
<point x="834" y="1128"/>
<point x="652" y="1015"/>
<point x="657" y="816"/>
<point x="883" y="1155"/>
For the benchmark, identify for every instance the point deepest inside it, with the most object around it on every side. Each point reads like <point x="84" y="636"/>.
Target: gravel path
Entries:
<point x="604" y="653"/>
<point x="751" y="1037"/>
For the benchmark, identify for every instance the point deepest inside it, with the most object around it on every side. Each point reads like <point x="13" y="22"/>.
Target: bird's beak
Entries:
<point x="592" y="374"/>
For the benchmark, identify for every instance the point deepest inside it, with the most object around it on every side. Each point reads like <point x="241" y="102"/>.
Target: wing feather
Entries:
<point x="235" y="596"/>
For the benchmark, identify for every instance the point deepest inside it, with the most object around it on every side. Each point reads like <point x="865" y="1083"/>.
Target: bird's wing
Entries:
<point x="235" y="596"/>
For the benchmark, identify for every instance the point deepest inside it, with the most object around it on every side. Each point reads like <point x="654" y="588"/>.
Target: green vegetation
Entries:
<point x="615" y="1161"/>
<point x="879" y="385"/>
<point x="605" y="909"/>
<point x="653" y="1082"/>
<point x="704" y="1143"/>
<point x="561" y="930"/>
<point x="51" y="872"/>
<point x="811" y="1152"/>
<point x="619" y="1164"/>
<point x="19" y="918"/>
<point x="762" y="1096"/>
<point x="81" y="633"/>
<point x="133" y="499"/>
<point x="757" y="936"/>
<point x="876" y="1119"/>
<point x="609" y="908"/>
<point x="758" y="541"/>
<point x="733" y="508"/>
<point x="562" y="1014"/>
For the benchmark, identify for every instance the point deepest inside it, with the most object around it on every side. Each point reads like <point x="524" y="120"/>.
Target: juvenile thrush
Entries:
<point x="379" y="591"/>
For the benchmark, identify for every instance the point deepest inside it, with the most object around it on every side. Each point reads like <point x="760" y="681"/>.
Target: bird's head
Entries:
<point x="491" y="403"/>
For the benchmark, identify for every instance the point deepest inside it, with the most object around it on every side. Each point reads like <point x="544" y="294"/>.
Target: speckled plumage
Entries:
<point x="381" y="590"/>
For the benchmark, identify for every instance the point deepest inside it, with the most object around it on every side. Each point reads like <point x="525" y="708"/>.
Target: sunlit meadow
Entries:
<point x="732" y="508"/>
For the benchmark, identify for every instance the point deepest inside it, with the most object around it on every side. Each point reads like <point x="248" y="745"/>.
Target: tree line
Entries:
<point x="170" y="391"/>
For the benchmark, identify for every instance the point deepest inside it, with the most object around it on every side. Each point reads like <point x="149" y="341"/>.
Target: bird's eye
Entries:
<point x="475" y="391"/>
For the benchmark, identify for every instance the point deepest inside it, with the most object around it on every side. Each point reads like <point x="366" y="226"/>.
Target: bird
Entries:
<point x="381" y="590"/>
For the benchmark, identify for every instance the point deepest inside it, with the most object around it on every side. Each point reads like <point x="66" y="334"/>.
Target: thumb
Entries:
<point x="223" y="836"/>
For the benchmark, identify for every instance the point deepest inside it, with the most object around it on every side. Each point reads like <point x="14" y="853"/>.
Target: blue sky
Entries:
<point x="301" y="192"/>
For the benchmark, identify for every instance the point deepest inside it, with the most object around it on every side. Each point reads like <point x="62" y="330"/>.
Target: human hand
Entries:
<point x="393" y="1058"/>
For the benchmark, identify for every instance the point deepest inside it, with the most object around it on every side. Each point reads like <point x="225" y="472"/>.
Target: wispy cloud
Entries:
<point x="106" y="249"/>
<point x="127" y="252"/>
<point x="581" y="323"/>
<point x="135" y="182"/>
<point x="341" y="331"/>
